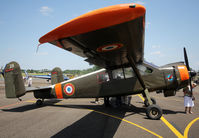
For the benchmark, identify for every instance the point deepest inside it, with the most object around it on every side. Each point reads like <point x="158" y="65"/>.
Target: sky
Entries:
<point x="170" y="26"/>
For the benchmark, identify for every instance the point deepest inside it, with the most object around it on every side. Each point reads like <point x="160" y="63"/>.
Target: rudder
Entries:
<point x="56" y="76"/>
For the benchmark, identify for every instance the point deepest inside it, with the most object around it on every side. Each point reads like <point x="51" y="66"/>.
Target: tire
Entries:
<point x="154" y="112"/>
<point x="39" y="102"/>
<point x="146" y="103"/>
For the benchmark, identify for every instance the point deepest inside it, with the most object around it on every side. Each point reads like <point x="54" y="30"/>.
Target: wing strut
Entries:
<point x="137" y="73"/>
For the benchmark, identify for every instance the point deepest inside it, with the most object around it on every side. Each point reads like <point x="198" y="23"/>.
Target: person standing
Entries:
<point x="188" y="98"/>
<point x="29" y="81"/>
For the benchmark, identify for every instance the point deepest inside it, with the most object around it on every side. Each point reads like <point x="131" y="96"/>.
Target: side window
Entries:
<point x="144" y="70"/>
<point x="129" y="73"/>
<point x="102" y="77"/>
<point x="118" y="74"/>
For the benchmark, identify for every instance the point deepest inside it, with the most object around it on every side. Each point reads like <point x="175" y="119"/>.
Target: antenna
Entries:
<point x="38" y="48"/>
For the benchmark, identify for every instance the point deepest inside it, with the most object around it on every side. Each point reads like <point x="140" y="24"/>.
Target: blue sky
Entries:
<point x="170" y="25"/>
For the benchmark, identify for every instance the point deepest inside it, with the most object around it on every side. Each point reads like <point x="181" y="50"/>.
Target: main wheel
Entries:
<point x="146" y="102"/>
<point x="39" y="102"/>
<point x="154" y="112"/>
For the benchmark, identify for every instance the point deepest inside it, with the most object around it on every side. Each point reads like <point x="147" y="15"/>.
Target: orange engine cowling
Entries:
<point x="184" y="74"/>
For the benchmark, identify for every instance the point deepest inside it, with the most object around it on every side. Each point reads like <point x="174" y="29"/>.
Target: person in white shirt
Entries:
<point x="29" y="81"/>
<point x="188" y="98"/>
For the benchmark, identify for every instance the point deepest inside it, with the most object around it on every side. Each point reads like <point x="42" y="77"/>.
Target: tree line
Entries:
<point x="67" y="71"/>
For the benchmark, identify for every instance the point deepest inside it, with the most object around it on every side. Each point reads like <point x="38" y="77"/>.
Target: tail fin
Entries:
<point x="14" y="85"/>
<point x="56" y="75"/>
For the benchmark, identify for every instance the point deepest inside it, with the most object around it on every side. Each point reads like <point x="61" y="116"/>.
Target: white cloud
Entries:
<point x="155" y="46"/>
<point x="156" y="53"/>
<point x="45" y="10"/>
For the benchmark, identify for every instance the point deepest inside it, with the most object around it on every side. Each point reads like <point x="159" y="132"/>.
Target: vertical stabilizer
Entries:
<point x="14" y="85"/>
<point x="56" y="75"/>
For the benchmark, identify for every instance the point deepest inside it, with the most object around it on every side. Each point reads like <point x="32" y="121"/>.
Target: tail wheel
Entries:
<point x="154" y="112"/>
<point x="39" y="102"/>
<point x="146" y="102"/>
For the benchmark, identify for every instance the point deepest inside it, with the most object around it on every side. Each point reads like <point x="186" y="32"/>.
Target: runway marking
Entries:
<point x="5" y="106"/>
<point x="189" y="126"/>
<point x="153" y="133"/>
<point x="173" y="129"/>
<point x="30" y="101"/>
<point x="127" y="122"/>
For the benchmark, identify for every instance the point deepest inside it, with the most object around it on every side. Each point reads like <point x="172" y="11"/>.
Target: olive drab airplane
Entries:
<point x="111" y="38"/>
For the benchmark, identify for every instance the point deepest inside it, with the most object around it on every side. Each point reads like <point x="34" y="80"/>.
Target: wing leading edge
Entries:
<point x="105" y="36"/>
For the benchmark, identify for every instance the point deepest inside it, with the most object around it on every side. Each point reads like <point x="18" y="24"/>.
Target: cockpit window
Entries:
<point x="120" y="74"/>
<point x="129" y="73"/>
<point x="144" y="70"/>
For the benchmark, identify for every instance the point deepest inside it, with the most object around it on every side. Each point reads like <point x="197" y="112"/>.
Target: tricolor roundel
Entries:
<point x="170" y="77"/>
<point x="108" y="48"/>
<point x="69" y="89"/>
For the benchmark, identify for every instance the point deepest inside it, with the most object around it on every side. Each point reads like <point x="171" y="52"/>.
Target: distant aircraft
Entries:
<point x="111" y="38"/>
<point x="47" y="77"/>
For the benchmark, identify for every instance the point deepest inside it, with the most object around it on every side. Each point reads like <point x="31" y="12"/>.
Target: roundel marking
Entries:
<point x="170" y="77"/>
<point x="69" y="89"/>
<point x="108" y="48"/>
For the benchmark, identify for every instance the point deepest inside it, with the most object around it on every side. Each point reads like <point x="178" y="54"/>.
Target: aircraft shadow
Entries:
<point x="166" y="111"/>
<point x="93" y="125"/>
<point x="110" y="110"/>
<point x="29" y="107"/>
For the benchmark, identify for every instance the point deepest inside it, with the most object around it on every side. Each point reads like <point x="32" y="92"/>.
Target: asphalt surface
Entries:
<point x="85" y="119"/>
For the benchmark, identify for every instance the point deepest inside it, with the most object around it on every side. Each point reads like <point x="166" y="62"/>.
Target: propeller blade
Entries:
<point x="186" y="59"/>
<point x="187" y="64"/>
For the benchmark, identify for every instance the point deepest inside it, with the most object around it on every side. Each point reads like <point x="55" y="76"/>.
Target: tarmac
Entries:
<point x="86" y="119"/>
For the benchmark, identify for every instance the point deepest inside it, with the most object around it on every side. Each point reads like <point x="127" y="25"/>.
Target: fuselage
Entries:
<point x="122" y="81"/>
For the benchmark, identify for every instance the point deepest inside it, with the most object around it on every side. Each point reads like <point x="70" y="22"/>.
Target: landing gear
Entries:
<point x="146" y="102"/>
<point x="40" y="102"/>
<point x="153" y="112"/>
<point x="106" y="101"/>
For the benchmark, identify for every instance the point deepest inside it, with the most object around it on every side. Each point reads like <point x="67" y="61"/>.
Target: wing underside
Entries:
<point x="106" y="47"/>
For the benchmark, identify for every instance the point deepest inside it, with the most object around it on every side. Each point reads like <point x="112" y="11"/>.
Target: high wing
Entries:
<point x="104" y="36"/>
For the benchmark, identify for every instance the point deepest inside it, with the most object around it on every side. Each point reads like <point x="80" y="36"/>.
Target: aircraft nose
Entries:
<point x="192" y="73"/>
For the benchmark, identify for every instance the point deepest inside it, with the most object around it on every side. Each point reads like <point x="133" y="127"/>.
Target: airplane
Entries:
<point x="48" y="77"/>
<point x="111" y="38"/>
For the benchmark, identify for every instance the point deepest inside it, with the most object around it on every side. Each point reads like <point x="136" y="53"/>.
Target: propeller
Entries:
<point x="192" y="73"/>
